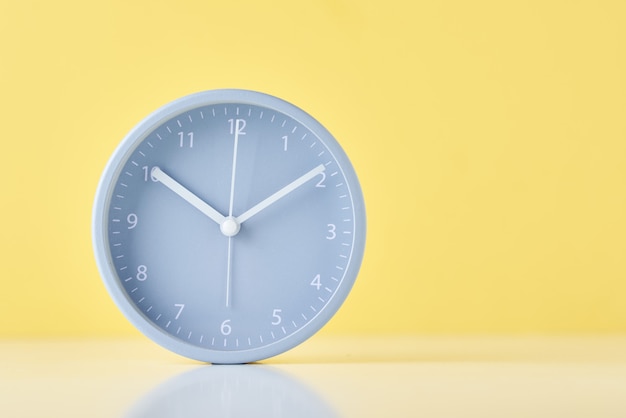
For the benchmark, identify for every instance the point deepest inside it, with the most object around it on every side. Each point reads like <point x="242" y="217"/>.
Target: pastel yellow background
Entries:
<point x="489" y="137"/>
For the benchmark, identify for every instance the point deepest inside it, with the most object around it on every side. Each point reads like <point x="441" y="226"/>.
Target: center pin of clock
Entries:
<point x="230" y="227"/>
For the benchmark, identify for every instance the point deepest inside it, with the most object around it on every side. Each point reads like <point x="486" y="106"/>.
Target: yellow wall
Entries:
<point x="490" y="137"/>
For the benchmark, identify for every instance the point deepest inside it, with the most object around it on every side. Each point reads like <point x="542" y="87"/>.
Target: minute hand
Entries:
<point x="280" y="194"/>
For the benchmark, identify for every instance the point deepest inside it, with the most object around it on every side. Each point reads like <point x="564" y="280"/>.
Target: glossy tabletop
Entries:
<point x="325" y="377"/>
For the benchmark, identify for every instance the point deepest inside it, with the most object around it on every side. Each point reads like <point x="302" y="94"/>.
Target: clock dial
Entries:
<point x="231" y="229"/>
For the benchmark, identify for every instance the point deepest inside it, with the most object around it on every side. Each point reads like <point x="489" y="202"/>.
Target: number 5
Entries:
<point x="277" y="318"/>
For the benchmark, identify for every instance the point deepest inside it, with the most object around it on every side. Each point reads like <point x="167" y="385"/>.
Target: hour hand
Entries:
<point x="188" y="196"/>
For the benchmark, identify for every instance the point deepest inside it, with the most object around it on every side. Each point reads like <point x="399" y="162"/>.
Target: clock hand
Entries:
<point x="237" y="130"/>
<point x="181" y="191"/>
<point x="231" y="226"/>
<point x="280" y="194"/>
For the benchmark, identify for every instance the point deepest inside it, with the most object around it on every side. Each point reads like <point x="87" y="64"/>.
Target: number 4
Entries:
<point x="317" y="282"/>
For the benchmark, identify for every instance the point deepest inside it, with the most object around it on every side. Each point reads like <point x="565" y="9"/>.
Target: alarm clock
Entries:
<point x="229" y="226"/>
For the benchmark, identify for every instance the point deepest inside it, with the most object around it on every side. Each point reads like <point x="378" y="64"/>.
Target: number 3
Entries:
<point x="331" y="232"/>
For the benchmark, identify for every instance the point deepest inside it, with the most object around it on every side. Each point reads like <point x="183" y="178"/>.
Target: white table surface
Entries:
<point x="379" y="376"/>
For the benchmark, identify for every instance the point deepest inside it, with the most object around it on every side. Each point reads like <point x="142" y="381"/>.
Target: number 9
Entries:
<point x="132" y="220"/>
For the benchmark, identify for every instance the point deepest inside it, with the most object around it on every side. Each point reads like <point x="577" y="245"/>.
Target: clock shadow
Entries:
<point x="247" y="390"/>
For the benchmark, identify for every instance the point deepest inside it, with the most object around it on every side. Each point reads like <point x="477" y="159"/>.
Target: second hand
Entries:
<point x="237" y="126"/>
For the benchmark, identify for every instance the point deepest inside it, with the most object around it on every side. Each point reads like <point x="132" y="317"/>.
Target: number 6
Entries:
<point x="225" y="328"/>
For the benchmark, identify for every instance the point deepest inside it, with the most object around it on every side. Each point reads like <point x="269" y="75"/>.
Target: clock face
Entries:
<point x="229" y="226"/>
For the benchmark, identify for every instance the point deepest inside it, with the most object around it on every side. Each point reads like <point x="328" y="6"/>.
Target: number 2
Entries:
<point x="321" y="182"/>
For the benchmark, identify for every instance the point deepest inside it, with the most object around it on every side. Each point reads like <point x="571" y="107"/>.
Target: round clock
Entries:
<point x="229" y="226"/>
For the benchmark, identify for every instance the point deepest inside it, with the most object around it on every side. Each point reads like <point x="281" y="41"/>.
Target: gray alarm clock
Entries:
<point x="229" y="226"/>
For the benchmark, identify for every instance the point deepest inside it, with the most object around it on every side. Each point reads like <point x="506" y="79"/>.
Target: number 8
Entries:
<point x="142" y="273"/>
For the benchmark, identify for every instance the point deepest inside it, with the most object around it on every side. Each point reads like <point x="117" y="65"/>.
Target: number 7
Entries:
<point x="180" y="307"/>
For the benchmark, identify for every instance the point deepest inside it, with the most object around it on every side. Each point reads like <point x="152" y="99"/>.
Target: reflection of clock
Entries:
<point x="229" y="226"/>
<point x="235" y="391"/>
